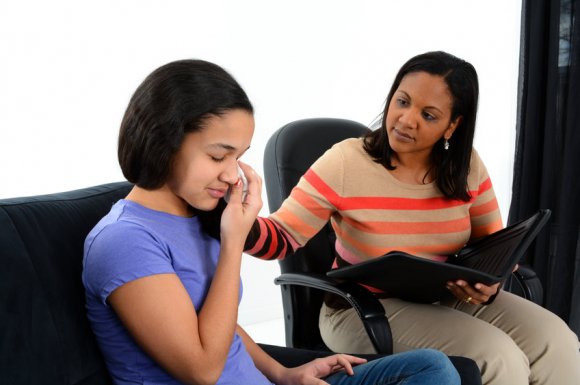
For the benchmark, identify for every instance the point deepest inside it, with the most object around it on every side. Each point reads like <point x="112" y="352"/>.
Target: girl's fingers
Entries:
<point x="345" y="361"/>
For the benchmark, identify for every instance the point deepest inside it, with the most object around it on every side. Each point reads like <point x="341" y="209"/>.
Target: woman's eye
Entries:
<point x="401" y="102"/>
<point x="217" y="159"/>
<point x="428" y="116"/>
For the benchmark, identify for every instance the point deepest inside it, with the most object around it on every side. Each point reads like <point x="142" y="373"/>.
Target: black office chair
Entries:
<point x="288" y="154"/>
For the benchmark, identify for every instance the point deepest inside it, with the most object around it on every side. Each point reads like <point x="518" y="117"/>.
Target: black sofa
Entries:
<point x="45" y="337"/>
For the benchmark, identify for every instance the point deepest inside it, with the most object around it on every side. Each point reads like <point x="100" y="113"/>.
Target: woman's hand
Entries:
<point x="312" y="372"/>
<point x="475" y="295"/>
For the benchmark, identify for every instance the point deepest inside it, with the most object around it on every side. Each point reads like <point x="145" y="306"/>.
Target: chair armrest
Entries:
<point x="525" y="283"/>
<point x="368" y="308"/>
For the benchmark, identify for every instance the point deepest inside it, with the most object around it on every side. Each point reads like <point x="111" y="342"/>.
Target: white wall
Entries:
<point x="68" y="68"/>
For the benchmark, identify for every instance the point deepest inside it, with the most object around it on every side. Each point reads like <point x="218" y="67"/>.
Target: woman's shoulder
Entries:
<point x="475" y="158"/>
<point x="477" y="170"/>
<point x="476" y="162"/>
<point x="353" y="144"/>
<point x="351" y="149"/>
<point x="344" y="155"/>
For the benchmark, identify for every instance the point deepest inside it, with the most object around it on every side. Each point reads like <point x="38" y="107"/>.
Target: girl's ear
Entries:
<point x="452" y="126"/>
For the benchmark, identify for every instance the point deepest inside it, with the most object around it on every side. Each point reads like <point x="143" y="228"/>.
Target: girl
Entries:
<point x="162" y="294"/>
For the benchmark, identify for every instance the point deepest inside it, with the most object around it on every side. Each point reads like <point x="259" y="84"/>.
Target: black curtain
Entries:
<point x="547" y="157"/>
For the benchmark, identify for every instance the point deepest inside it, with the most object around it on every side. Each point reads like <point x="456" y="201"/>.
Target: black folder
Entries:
<point x="487" y="260"/>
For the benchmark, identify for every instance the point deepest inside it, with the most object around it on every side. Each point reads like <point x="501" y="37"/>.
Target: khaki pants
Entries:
<point x="513" y="340"/>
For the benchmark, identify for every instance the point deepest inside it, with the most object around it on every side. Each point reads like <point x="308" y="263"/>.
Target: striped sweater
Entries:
<point x="373" y="213"/>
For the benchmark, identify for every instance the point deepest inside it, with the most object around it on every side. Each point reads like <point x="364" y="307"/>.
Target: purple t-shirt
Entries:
<point x="132" y="242"/>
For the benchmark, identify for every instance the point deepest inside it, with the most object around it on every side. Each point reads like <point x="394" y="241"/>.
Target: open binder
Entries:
<point x="487" y="260"/>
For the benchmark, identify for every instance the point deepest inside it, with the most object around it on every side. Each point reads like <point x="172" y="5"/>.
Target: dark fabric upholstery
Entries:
<point x="547" y="162"/>
<point x="45" y="336"/>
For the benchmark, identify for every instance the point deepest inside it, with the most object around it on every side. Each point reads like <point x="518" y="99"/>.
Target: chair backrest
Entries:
<point x="46" y="338"/>
<point x="288" y="154"/>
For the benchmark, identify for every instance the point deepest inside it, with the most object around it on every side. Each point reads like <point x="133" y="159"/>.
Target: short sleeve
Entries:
<point x="120" y="253"/>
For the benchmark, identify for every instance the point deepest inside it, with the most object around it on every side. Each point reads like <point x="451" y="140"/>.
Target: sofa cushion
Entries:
<point x="46" y="338"/>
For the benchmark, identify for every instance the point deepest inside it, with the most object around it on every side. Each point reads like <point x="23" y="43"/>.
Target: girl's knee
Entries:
<point x="440" y="366"/>
<point x="434" y="357"/>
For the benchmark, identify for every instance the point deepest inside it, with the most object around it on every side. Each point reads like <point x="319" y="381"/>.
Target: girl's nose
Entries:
<point x="230" y="174"/>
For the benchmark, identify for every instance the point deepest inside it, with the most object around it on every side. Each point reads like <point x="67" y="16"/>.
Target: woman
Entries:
<point x="430" y="194"/>
<point x="162" y="295"/>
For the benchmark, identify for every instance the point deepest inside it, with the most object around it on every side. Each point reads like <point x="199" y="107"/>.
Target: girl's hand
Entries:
<point x="475" y="295"/>
<point x="253" y="199"/>
<point x="312" y="372"/>
<point x="238" y="217"/>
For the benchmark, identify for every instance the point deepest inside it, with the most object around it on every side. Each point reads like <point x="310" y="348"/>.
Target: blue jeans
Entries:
<point x="421" y="366"/>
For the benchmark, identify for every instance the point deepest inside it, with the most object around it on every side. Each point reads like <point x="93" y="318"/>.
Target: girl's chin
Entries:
<point x="207" y="205"/>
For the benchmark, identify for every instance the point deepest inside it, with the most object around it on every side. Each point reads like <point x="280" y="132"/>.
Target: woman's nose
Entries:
<point x="409" y="118"/>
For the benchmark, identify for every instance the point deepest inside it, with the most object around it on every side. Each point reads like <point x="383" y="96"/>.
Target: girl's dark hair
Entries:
<point x="452" y="165"/>
<point x="174" y="100"/>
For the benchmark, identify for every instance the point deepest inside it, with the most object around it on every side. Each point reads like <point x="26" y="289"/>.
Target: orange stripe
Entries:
<point x="261" y="239"/>
<point x="321" y="187"/>
<point x="295" y="222"/>
<point x="273" y="239"/>
<point x="483" y="209"/>
<point x="357" y="203"/>
<point x="370" y="250"/>
<point x="369" y="203"/>
<point x="306" y="201"/>
<point x="452" y="226"/>
<point x="484" y="186"/>
<point x="488" y="228"/>
<point x="365" y="249"/>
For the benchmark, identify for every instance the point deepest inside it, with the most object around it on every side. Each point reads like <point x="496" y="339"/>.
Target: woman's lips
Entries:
<point x="401" y="136"/>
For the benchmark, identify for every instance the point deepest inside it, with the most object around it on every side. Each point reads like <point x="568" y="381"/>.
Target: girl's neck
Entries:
<point x="161" y="199"/>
